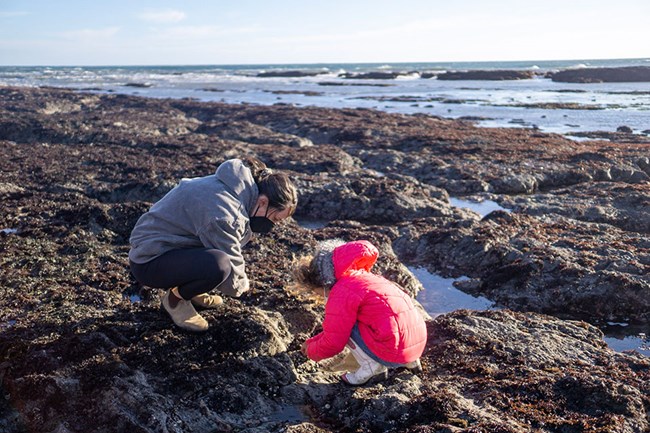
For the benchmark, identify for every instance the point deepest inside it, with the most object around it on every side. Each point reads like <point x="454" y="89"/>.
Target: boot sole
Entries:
<point x="372" y="381"/>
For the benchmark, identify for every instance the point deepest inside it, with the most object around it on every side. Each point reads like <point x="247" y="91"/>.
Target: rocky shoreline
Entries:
<point x="626" y="74"/>
<point x="84" y="348"/>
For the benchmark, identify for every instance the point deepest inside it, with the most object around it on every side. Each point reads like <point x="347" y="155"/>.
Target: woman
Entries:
<point x="373" y="316"/>
<point x="190" y="242"/>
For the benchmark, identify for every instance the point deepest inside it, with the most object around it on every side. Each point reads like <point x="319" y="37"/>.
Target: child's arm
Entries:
<point x="340" y="316"/>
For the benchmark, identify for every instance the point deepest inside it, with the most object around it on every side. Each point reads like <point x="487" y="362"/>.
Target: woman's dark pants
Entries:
<point x="193" y="271"/>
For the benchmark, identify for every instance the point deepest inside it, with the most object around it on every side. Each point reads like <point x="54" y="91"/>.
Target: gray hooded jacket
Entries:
<point x="205" y="212"/>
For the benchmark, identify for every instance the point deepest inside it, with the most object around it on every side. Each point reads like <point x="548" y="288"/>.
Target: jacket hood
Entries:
<point x="239" y="181"/>
<point x="354" y="256"/>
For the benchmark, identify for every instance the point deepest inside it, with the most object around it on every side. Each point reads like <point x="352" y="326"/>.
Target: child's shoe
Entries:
<point x="369" y="368"/>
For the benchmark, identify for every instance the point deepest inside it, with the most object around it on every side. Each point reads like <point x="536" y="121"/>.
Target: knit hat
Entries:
<point x="322" y="265"/>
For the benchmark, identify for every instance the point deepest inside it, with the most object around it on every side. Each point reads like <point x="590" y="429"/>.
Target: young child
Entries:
<point x="373" y="316"/>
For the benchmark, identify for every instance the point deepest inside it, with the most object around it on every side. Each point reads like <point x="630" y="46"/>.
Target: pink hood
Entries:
<point x="354" y="256"/>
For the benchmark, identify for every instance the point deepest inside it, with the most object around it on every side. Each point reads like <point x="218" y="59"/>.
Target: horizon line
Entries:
<point x="315" y="63"/>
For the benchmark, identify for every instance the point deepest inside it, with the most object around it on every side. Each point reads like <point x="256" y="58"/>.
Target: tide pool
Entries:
<point x="439" y="296"/>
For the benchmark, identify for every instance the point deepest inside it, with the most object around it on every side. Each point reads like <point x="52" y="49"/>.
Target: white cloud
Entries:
<point x="90" y="34"/>
<point x="200" y="32"/>
<point x="163" y="16"/>
<point x="190" y="32"/>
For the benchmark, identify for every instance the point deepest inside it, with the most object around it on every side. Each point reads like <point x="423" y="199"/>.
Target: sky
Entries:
<point x="192" y="32"/>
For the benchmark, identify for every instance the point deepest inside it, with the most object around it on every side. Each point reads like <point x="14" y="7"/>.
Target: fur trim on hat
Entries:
<point x="322" y="265"/>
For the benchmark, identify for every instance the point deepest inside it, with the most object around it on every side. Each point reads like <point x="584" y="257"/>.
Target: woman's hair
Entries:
<point x="279" y="189"/>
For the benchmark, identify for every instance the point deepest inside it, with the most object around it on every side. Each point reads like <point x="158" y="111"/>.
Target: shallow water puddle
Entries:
<point x="312" y="224"/>
<point x="581" y="139"/>
<point x="480" y="207"/>
<point x="9" y="231"/>
<point x="440" y="296"/>
<point x="293" y="414"/>
<point x="622" y="337"/>
<point x="133" y="298"/>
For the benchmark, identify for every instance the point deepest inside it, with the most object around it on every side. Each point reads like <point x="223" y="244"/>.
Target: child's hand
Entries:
<point x="303" y="348"/>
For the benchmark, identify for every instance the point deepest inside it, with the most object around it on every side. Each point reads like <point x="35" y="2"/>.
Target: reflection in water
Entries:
<point x="440" y="296"/>
<point x="133" y="298"/>
<point x="482" y="208"/>
<point x="291" y="414"/>
<point x="312" y="224"/>
<point x="623" y="336"/>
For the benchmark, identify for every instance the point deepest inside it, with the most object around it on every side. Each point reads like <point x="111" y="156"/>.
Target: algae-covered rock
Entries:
<point x="84" y="347"/>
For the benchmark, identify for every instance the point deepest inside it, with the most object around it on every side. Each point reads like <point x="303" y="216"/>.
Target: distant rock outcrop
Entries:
<point x="604" y="75"/>
<point x="497" y="75"/>
<point x="372" y="75"/>
<point x="289" y="74"/>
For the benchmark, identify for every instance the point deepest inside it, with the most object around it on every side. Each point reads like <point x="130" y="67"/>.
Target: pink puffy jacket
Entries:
<point x="389" y="324"/>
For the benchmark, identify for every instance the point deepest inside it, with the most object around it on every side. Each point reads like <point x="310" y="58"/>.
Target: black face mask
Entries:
<point x="261" y="224"/>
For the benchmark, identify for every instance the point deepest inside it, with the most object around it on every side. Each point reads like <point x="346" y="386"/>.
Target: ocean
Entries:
<point x="510" y="103"/>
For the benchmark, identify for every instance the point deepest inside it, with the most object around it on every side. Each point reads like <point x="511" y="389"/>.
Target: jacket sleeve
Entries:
<point x="221" y="235"/>
<point x="340" y="316"/>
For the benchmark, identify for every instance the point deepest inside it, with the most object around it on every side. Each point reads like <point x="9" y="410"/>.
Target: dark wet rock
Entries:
<point x="558" y="106"/>
<point x="371" y="75"/>
<point x="291" y="74"/>
<point x="295" y="92"/>
<point x="337" y="83"/>
<point x="141" y="85"/>
<point x="628" y="175"/>
<point x="560" y="178"/>
<point x="616" y="136"/>
<point x="604" y="75"/>
<point x="496" y="75"/>
<point x="531" y="263"/>
<point x="475" y="118"/>
<point x="567" y="91"/>
<point x="615" y="204"/>
<point x="518" y="184"/>
<point x="319" y="159"/>
<point x="403" y="98"/>
<point x="644" y="164"/>
<point x="516" y="370"/>
<point x="83" y="347"/>
<point x="369" y="198"/>
<point x="250" y="133"/>
<point x="625" y="129"/>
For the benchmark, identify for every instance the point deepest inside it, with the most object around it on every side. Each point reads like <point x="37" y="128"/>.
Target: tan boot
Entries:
<point x="205" y="300"/>
<point x="184" y="315"/>
<point x="368" y="367"/>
